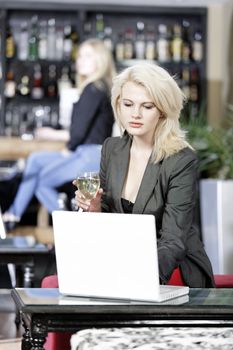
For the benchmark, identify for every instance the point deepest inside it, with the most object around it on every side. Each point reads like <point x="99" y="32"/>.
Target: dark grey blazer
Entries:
<point x="168" y="191"/>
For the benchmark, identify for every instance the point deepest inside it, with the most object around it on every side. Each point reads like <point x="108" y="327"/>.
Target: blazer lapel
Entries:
<point x="148" y="184"/>
<point x="121" y="163"/>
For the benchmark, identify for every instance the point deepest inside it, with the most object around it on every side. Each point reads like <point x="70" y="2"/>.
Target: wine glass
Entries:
<point x="88" y="184"/>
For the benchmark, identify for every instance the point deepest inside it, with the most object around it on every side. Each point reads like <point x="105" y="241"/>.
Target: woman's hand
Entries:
<point x="93" y="206"/>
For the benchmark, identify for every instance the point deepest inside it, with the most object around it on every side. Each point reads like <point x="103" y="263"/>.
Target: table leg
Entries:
<point x="39" y="333"/>
<point x="26" y="340"/>
<point x="17" y="319"/>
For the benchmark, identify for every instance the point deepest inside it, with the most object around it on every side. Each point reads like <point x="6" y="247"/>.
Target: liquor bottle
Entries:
<point x="23" y="87"/>
<point x="87" y="29"/>
<point x="194" y="92"/>
<point x="10" y="85"/>
<point x="140" y="41"/>
<point x="150" y="49"/>
<point x="51" y="50"/>
<point x="64" y="82"/>
<point x="197" y="47"/>
<point x="52" y="85"/>
<point x="163" y="45"/>
<point x="176" y="44"/>
<point x="128" y="44"/>
<point x="43" y="41"/>
<point x="67" y="49"/>
<point x="99" y="26"/>
<point x="74" y="41"/>
<point x="185" y="78"/>
<point x="59" y="43"/>
<point x="33" y="40"/>
<point x="23" y="48"/>
<point x="108" y="38"/>
<point x="37" y="91"/>
<point x="10" y="43"/>
<point x="119" y="48"/>
<point x="186" y="47"/>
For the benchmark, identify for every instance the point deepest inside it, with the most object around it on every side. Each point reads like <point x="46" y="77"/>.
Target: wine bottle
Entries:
<point x="43" y="41"/>
<point x="51" y="53"/>
<point x="64" y="82"/>
<point x="186" y="47"/>
<point x="108" y="38"/>
<point x="197" y="46"/>
<point x="140" y="41"/>
<point x="67" y="49"/>
<point x="176" y="44"/>
<point x="99" y="26"/>
<point x="163" y="45"/>
<point x="185" y="76"/>
<point x="128" y="44"/>
<point x="119" y="48"/>
<point x="150" y="51"/>
<point x="23" y="42"/>
<point x="37" y="91"/>
<point x="52" y="86"/>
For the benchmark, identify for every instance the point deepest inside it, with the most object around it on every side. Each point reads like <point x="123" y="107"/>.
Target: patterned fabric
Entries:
<point x="182" y="338"/>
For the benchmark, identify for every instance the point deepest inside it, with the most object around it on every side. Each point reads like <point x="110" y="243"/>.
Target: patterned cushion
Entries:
<point x="146" y="338"/>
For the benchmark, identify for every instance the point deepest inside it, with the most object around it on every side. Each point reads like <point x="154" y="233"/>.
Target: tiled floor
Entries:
<point x="9" y="335"/>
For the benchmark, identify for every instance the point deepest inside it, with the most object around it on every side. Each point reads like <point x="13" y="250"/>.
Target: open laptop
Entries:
<point x="108" y="255"/>
<point x="2" y="227"/>
<point x="15" y="241"/>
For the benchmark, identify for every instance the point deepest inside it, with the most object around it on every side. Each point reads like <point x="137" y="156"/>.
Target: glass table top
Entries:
<point x="222" y="297"/>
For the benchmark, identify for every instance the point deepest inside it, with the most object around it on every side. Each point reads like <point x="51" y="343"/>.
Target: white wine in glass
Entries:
<point x="88" y="184"/>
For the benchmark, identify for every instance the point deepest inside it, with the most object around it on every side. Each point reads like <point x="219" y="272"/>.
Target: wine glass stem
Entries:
<point x="80" y="210"/>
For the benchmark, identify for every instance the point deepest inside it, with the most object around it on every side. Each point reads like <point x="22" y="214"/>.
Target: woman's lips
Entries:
<point x="135" y="124"/>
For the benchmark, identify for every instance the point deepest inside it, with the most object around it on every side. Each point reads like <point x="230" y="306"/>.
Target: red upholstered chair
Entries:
<point x="223" y="281"/>
<point x="55" y="341"/>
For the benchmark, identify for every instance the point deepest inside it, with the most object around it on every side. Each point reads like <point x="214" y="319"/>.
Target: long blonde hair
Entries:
<point x="105" y="65"/>
<point x="169" y="138"/>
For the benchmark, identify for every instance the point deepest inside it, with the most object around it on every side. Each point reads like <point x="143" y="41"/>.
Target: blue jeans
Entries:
<point x="45" y="171"/>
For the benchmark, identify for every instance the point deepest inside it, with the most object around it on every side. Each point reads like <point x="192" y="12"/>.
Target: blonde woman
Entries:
<point x="152" y="169"/>
<point x="91" y="124"/>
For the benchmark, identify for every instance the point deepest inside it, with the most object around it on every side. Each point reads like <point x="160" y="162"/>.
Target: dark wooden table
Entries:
<point x="45" y="310"/>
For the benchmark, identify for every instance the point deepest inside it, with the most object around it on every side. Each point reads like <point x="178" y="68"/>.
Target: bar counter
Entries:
<point x="13" y="148"/>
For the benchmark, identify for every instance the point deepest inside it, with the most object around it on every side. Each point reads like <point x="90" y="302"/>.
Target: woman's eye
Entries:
<point x="148" y="106"/>
<point x="127" y="104"/>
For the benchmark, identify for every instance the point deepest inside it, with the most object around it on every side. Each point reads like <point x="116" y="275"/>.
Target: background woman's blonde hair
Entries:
<point x="105" y="65"/>
<point x="167" y="97"/>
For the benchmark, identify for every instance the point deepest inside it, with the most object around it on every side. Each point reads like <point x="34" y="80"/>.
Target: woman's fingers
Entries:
<point x="86" y="205"/>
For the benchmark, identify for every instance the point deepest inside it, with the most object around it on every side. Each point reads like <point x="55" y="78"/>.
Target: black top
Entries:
<point x="92" y="117"/>
<point x="127" y="206"/>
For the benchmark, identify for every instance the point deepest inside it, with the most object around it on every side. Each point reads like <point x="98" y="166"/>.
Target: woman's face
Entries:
<point x="86" y="61"/>
<point x="138" y="113"/>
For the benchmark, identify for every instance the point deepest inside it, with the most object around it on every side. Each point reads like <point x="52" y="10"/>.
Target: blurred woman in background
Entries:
<point x="91" y="122"/>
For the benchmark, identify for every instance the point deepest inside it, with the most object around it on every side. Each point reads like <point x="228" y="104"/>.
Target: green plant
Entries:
<point x="213" y="146"/>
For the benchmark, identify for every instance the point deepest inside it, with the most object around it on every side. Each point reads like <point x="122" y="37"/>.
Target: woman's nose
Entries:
<point x="136" y="112"/>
